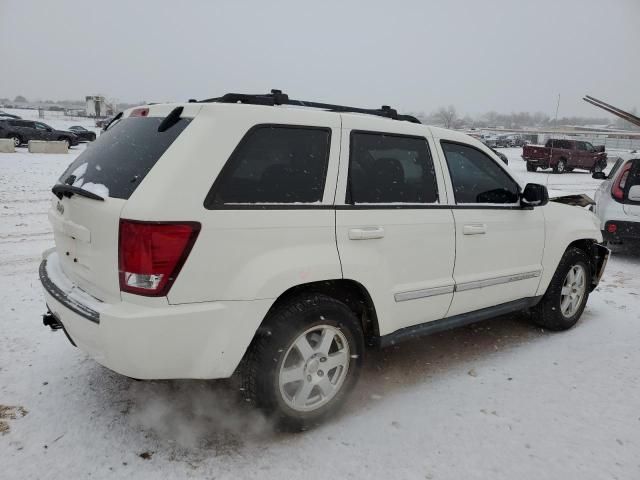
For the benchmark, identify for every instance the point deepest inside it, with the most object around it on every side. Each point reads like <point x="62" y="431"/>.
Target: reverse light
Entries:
<point x="617" y="190"/>
<point x="151" y="254"/>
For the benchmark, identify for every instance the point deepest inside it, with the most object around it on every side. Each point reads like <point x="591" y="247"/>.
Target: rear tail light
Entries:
<point x="151" y="254"/>
<point x="617" y="190"/>
<point x="612" y="228"/>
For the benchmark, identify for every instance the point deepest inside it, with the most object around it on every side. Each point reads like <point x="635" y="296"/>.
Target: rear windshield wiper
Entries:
<point x="62" y="190"/>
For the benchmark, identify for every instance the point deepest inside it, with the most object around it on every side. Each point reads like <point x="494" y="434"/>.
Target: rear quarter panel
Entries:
<point x="245" y="253"/>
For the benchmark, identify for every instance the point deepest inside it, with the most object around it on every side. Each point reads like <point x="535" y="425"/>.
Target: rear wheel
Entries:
<point x="561" y="166"/>
<point x="304" y="361"/>
<point x="567" y="294"/>
<point x="531" y="167"/>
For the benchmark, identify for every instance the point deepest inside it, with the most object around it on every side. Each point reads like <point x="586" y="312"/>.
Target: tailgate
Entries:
<point x="86" y="225"/>
<point x="86" y="236"/>
<point x="535" y="152"/>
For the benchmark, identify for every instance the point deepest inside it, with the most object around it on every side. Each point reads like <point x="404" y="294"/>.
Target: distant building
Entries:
<point x="97" y="106"/>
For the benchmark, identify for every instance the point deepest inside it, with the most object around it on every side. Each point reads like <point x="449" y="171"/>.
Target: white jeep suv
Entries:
<point x="274" y="239"/>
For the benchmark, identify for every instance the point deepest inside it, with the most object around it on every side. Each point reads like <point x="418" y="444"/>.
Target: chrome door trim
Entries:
<point x="489" y="282"/>
<point x="423" y="293"/>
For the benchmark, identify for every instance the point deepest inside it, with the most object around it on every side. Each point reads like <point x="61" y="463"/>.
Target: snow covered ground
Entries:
<point x="496" y="400"/>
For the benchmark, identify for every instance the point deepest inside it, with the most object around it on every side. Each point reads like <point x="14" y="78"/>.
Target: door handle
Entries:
<point x="366" y="233"/>
<point x="474" y="229"/>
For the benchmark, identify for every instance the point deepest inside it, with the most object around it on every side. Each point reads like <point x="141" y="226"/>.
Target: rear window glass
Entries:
<point x="274" y="164"/>
<point x="387" y="168"/>
<point x="116" y="163"/>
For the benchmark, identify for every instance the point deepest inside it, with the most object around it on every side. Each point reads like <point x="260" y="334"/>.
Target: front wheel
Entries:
<point x="304" y="361"/>
<point x="597" y="168"/>
<point x="17" y="141"/>
<point x="567" y="294"/>
<point x="531" y="167"/>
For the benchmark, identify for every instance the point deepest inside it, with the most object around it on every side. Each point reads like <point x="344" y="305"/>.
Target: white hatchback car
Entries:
<point x="252" y="234"/>
<point x="617" y="202"/>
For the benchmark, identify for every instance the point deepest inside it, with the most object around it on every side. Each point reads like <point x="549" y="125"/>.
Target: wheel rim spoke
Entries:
<point x="292" y="374"/>
<point x="325" y="341"/>
<point x="302" y="395"/>
<point x="303" y="346"/>
<point x="326" y="387"/>
<point x="334" y="360"/>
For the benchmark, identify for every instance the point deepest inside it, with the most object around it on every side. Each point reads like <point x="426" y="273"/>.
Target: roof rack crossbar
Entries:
<point x="276" y="97"/>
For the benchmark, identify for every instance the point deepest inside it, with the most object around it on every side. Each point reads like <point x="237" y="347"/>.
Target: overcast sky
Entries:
<point x="414" y="55"/>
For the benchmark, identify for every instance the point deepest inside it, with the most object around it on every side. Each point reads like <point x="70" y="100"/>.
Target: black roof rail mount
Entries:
<point x="276" y="97"/>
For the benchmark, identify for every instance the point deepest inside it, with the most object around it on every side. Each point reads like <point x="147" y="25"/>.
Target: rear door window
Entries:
<point x="388" y="168"/>
<point x="274" y="164"/>
<point x="122" y="156"/>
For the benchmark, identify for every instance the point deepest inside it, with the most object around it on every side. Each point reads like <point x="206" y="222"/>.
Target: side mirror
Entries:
<point x="634" y="193"/>
<point x="534" y="195"/>
<point x="599" y="176"/>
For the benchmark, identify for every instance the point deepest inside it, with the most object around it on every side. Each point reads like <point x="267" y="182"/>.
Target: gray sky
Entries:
<point x="479" y="55"/>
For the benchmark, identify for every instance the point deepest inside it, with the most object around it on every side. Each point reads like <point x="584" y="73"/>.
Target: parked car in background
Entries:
<point x="516" y="141"/>
<point x="4" y="116"/>
<point x="618" y="201"/>
<point x="21" y="131"/>
<point x="82" y="133"/>
<point x="565" y="156"/>
<point x="503" y="141"/>
<point x="205" y="239"/>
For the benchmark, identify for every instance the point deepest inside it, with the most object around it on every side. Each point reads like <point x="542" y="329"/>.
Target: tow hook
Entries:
<point x="49" y="320"/>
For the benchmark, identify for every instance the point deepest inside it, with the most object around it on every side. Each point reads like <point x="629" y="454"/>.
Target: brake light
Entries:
<point x="617" y="190"/>
<point x="139" y="112"/>
<point x="151" y="254"/>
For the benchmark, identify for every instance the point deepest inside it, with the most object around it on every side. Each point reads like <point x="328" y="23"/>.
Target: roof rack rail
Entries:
<point x="276" y="97"/>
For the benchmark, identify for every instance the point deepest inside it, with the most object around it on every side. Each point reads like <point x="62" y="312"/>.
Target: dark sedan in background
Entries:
<point x="21" y="131"/>
<point x="83" y="134"/>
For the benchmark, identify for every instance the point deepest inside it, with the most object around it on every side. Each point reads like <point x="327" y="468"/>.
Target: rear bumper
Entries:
<point x="539" y="161"/>
<point x="201" y="340"/>
<point x="623" y="231"/>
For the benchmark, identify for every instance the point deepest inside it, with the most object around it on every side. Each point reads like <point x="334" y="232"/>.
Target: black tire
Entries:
<point x="548" y="313"/>
<point x="65" y="139"/>
<point x="531" y="167"/>
<point x="17" y="140"/>
<point x="561" y="166"/>
<point x="569" y="169"/>
<point x="598" y="167"/>
<point x="274" y="342"/>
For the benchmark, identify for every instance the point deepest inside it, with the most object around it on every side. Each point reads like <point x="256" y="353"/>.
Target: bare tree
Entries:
<point x="447" y="116"/>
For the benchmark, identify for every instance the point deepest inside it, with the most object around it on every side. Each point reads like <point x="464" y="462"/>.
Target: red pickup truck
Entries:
<point x="564" y="156"/>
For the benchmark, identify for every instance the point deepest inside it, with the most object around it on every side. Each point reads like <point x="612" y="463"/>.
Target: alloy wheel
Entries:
<point x="314" y="368"/>
<point x="573" y="290"/>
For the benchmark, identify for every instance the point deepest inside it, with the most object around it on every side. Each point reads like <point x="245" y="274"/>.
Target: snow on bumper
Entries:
<point x="198" y="340"/>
